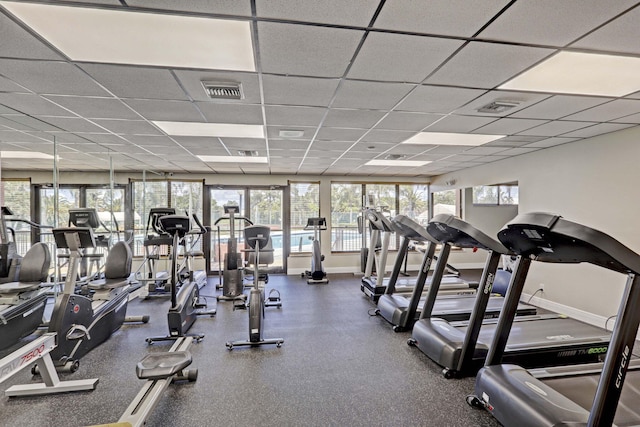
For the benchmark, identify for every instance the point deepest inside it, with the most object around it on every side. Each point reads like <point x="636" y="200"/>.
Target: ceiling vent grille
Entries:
<point x="223" y="90"/>
<point x="247" y="153"/>
<point x="395" y="156"/>
<point x="498" y="106"/>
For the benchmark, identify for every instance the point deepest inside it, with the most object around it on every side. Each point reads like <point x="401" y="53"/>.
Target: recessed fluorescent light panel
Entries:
<point x="405" y="163"/>
<point x="442" y="138"/>
<point x="221" y="130"/>
<point x="118" y="37"/>
<point x="581" y="73"/>
<point x="25" y="155"/>
<point x="233" y="159"/>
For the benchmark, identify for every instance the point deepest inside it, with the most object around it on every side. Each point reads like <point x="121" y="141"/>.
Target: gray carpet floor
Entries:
<point x="338" y="366"/>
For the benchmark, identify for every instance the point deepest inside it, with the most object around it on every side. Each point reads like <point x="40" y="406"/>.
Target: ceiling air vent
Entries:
<point x="247" y="153"/>
<point x="395" y="156"/>
<point x="498" y="106"/>
<point x="223" y="90"/>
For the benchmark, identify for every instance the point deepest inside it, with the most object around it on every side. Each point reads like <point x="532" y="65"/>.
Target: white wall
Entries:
<point x="593" y="182"/>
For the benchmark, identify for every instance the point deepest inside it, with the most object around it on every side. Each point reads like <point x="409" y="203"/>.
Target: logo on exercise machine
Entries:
<point x="623" y="365"/>
<point x="488" y="284"/>
<point x="76" y="308"/>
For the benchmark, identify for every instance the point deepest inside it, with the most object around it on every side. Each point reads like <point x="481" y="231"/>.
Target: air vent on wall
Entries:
<point x="247" y="153"/>
<point x="498" y="106"/>
<point x="223" y="90"/>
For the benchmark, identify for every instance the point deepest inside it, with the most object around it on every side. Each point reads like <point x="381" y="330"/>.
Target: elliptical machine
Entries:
<point x="185" y="302"/>
<point x="257" y="237"/>
<point x="317" y="274"/>
<point x="231" y="272"/>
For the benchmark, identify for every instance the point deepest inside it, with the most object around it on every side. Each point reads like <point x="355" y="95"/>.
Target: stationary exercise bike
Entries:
<point x="257" y="237"/>
<point x="185" y="302"/>
<point x="317" y="274"/>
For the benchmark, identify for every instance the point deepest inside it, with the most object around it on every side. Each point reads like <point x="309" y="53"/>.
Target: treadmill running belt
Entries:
<point x="581" y="390"/>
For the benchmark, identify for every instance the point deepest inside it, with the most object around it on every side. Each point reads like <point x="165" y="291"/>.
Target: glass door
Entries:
<point x="265" y="207"/>
<point x="221" y="226"/>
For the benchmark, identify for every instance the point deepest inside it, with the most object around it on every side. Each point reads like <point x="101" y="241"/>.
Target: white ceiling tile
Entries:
<point x="231" y="113"/>
<point x="340" y="134"/>
<point x="460" y="124"/>
<point x="485" y="151"/>
<point x="332" y="145"/>
<point x="23" y="44"/>
<point x="620" y="35"/>
<point x="519" y="150"/>
<point x="294" y="116"/>
<point x="151" y="140"/>
<point x="285" y="49"/>
<point x="73" y="124"/>
<point x="392" y="57"/>
<point x="283" y="144"/>
<point x="509" y="126"/>
<point x="407" y="121"/>
<point x="136" y="82"/>
<point x="437" y="99"/>
<point x="598" y="129"/>
<point x="633" y="118"/>
<point x="94" y="108"/>
<point x="559" y="106"/>
<point x="339" y="12"/>
<point x="33" y="105"/>
<point x="548" y="22"/>
<point x="387" y="136"/>
<point x="27" y="123"/>
<point x="178" y="111"/>
<point x="298" y="90"/>
<point x="371" y="95"/>
<point x="14" y="136"/>
<point x="50" y="77"/>
<point x="609" y="111"/>
<point x="129" y="127"/>
<point x="555" y="128"/>
<point x="346" y="118"/>
<point x="552" y="142"/>
<point x="436" y="17"/>
<point x="360" y="155"/>
<point x="321" y="154"/>
<point x="225" y="7"/>
<point x="487" y="65"/>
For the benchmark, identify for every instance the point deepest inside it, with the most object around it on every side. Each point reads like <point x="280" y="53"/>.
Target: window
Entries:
<point x="184" y="196"/>
<point x="304" y="203"/>
<point x="16" y="195"/>
<point x="502" y="194"/>
<point x="346" y="206"/>
<point x="414" y="202"/>
<point x="447" y="202"/>
<point x="382" y="197"/>
<point x="110" y="207"/>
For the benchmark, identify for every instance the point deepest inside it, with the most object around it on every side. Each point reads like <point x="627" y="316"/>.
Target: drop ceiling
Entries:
<point x="354" y="79"/>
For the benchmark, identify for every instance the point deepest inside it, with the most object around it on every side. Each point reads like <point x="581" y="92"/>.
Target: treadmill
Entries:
<point x="411" y="231"/>
<point x="536" y="340"/>
<point x="402" y="313"/>
<point x="374" y="286"/>
<point x="512" y="394"/>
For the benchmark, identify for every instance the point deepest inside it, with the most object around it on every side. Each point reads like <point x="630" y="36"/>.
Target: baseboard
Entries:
<point x="584" y="316"/>
<point x="356" y="271"/>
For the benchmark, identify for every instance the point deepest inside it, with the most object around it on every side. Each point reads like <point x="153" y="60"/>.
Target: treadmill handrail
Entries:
<point x="550" y="238"/>
<point x="446" y="228"/>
